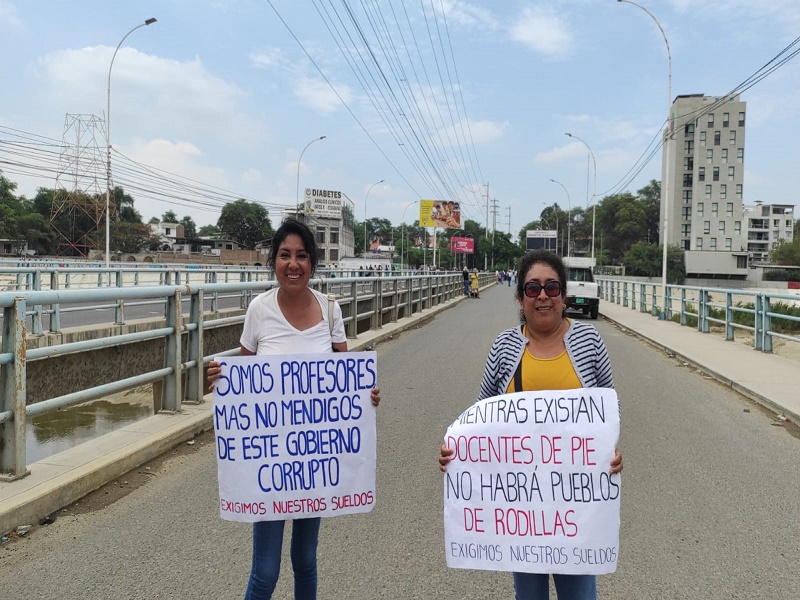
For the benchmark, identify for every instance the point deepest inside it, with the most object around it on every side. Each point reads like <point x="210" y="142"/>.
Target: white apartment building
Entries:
<point x="704" y="176"/>
<point x="767" y="225"/>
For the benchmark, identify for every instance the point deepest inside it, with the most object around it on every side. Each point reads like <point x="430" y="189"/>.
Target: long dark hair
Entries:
<point x="289" y="227"/>
<point x="533" y="257"/>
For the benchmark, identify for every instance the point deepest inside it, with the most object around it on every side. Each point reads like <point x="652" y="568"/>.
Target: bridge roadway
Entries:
<point x="710" y="499"/>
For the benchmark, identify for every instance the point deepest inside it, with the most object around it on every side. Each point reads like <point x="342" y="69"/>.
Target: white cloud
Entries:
<point x="318" y="95"/>
<point x="9" y="19"/>
<point x="272" y="57"/>
<point x="468" y="15"/>
<point x="542" y="31"/>
<point x="150" y="96"/>
<point x="560" y="155"/>
<point x="477" y="132"/>
<point x="252" y="176"/>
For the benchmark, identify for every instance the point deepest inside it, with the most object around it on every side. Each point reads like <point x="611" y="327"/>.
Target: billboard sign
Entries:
<point x="541" y="239"/>
<point x="326" y="204"/>
<point x="462" y="245"/>
<point x="439" y="213"/>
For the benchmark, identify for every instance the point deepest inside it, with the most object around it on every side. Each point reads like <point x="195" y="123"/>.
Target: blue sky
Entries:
<point x="222" y="94"/>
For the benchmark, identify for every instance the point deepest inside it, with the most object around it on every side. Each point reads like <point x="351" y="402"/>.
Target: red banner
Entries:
<point x="462" y="245"/>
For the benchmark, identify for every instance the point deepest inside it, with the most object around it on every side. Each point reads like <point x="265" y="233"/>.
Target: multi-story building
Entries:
<point x="767" y="225"/>
<point x="704" y="177"/>
<point x="330" y="215"/>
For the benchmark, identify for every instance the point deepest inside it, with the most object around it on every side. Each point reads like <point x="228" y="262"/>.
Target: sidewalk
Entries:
<point x="770" y="380"/>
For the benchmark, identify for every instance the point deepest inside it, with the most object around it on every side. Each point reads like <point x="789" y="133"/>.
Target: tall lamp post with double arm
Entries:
<point x="108" y="140"/>
<point x="665" y="195"/>
<point x="569" y="217"/>
<point x="594" y="188"/>
<point x="299" y="160"/>
<point x="403" y="235"/>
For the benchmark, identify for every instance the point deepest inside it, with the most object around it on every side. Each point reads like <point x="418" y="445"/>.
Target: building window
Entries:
<point x="723" y="191"/>
<point x="702" y="138"/>
<point x="708" y="192"/>
<point x="789" y="223"/>
<point x="334" y="237"/>
<point x="714" y="209"/>
<point x="710" y="156"/>
<point x="732" y="137"/>
<point x="726" y="117"/>
<point x="687" y="180"/>
<point x="688" y="163"/>
<point x="706" y="226"/>
<point x="717" y="137"/>
<point x="716" y="174"/>
<point x="722" y="226"/>
<point x="713" y="243"/>
<point x="687" y="196"/>
<point x="688" y="147"/>
<point x="321" y="255"/>
<point x="710" y="119"/>
<point x="688" y="130"/>
<point x="334" y="254"/>
<point x="738" y="191"/>
<point x="686" y="213"/>
<point x="701" y="174"/>
<point x="698" y="244"/>
<point x="724" y="155"/>
<point x="686" y="245"/>
<point x="737" y="227"/>
<point x="731" y="173"/>
<point x="686" y="230"/>
<point x="741" y="119"/>
<point x="740" y="155"/>
<point x="728" y="244"/>
<point x="741" y="262"/>
<point x="700" y="208"/>
<point x="729" y="208"/>
<point x="320" y="235"/>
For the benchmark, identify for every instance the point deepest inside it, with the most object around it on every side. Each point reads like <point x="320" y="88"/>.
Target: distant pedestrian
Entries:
<point x="465" y="275"/>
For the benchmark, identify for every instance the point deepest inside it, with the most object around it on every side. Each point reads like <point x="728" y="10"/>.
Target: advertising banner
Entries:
<point x="439" y="213"/>
<point x="326" y="204"/>
<point x="462" y="245"/>
<point x="295" y="435"/>
<point x="529" y="489"/>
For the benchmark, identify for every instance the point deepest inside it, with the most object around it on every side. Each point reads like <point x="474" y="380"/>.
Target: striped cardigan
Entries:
<point x="585" y="348"/>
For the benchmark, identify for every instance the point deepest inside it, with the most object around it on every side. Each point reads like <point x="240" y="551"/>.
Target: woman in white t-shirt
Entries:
<point x="289" y="319"/>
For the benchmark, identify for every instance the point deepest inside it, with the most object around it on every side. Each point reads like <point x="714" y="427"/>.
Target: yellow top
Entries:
<point x="547" y="373"/>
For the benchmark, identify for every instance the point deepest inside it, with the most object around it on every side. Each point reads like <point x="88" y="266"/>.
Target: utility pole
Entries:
<point x="494" y="225"/>
<point x="509" y="220"/>
<point x="486" y="229"/>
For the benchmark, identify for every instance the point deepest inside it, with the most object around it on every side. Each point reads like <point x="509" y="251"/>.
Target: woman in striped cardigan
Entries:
<point x="561" y="354"/>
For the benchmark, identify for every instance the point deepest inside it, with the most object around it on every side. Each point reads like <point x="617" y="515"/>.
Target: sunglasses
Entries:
<point x="534" y="288"/>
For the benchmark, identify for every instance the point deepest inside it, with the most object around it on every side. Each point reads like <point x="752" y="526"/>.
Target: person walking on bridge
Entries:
<point x="289" y="319"/>
<point x="547" y="352"/>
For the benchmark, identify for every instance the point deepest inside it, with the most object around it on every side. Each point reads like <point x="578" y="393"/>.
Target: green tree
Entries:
<point x="650" y="198"/>
<point x="132" y="237"/>
<point x="646" y="260"/>
<point x="209" y="231"/>
<point x="169" y="217"/>
<point x="245" y="222"/>
<point x="786" y="253"/>
<point x="189" y="227"/>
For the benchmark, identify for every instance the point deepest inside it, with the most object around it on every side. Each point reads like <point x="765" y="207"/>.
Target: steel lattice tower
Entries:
<point x="79" y="205"/>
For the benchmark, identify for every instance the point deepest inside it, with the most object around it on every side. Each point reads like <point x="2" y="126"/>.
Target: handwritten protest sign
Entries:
<point x="295" y="435"/>
<point x="529" y="488"/>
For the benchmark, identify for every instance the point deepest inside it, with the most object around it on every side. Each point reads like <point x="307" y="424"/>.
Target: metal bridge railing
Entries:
<point x="756" y="312"/>
<point x="367" y="303"/>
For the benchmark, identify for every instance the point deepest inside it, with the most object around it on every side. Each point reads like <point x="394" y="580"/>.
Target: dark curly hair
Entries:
<point x="289" y="227"/>
<point x="533" y="257"/>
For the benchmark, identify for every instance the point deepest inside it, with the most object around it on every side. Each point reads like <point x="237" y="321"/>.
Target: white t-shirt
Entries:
<point x="266" y="330"/>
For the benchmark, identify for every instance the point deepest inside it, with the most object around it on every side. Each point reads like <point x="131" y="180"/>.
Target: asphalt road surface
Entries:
<point x="710" y="501"/>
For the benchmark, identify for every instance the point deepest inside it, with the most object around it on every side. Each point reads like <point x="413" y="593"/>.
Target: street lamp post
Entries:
<point x="594" y="188"/>
<point x="108" y="140"/>
<point x="569" y="217"/>
<point x="299" y="160"/>
<point x="403" y="235"/>
<point x="365" y="214"/>
<point x="665" y="195"/>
